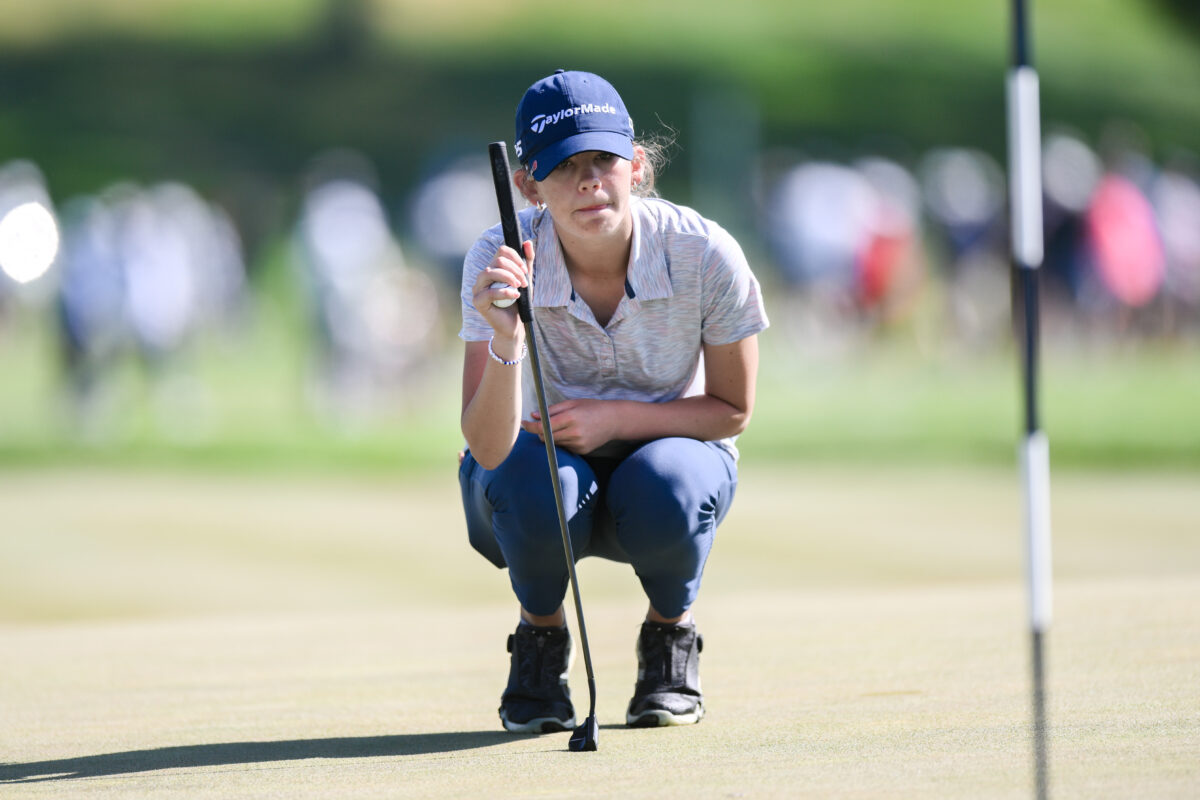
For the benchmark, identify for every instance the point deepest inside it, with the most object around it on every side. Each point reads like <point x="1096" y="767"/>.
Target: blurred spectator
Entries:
<point x="91" y="306"/>
<point x="1176" y="199"/>
<point x="816" y="216"/>
<point x="1071" y="171"/>
<point x="1124" y="241"/>
<point x="448" y="211"/>
<point x="145" y="272"/>
<point x="376" y="320"/>
<point x="963" y="192"/>
<point x="817" y="219"/>
<point x="162" y="292"/>
<point x="1121" y="250"/>
<point x="847" y="241"/>
<point x="890" y="264"/>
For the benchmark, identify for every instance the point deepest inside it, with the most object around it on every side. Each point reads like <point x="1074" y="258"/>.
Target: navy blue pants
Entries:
<point x="656" y="509"/>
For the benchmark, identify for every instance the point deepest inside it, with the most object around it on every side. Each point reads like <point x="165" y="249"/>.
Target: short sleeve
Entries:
<point x="731" y="295"/>
<point x="474" y="327"/>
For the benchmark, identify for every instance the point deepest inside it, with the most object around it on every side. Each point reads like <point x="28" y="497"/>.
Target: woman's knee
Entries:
<point x="676" y="483"/>
<point x="521" y="495"/>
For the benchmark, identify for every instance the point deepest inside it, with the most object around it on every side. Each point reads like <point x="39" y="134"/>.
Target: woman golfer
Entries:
<point x="647" y="318"/>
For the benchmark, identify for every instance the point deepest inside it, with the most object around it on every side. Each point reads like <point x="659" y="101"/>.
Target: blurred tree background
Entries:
<point x="237" y="99"/>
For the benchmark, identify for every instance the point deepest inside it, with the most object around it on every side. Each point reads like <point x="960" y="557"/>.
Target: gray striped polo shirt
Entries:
<point x="688" y="285"/>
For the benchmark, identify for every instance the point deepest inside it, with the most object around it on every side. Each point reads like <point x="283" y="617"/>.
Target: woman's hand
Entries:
<point x="579" y="426"/>
<point x="507" y="268"/>
<point x="724" y="409"/>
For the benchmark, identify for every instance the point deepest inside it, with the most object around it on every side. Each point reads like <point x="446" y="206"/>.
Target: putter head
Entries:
<point x="585" y="736"/>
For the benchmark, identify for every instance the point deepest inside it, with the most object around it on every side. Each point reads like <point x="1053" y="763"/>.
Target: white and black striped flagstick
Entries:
<point x="1025" y="195"/>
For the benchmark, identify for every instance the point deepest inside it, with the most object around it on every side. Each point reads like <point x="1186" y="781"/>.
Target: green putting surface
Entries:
<point x="189" y="636"/>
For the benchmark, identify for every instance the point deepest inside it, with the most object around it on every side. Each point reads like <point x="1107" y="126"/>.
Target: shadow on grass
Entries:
<point x="233" y="753"/>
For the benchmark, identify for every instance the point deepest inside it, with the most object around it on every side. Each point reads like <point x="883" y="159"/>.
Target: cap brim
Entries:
<point x="551" y="156"/>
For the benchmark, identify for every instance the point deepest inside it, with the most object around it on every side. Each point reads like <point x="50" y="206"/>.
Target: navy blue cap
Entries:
<point x="567" y="113"/>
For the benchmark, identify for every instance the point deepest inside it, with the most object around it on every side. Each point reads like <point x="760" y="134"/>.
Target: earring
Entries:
<point x="540" y="206"/>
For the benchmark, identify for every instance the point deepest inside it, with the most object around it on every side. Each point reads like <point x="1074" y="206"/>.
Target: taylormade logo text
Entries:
<point x="542" y="121"/>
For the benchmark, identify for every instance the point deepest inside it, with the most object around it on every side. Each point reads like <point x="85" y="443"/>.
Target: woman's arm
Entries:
<point x="723" y="410"/>
<point x="491" y="391"/>
<point x="491" y="414"/>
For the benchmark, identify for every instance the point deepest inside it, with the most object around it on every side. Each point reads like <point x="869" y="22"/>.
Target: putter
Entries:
<point x="585" y="736"/>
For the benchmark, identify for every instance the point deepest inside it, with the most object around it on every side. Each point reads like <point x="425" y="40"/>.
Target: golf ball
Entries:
<point x="504" y="302"/>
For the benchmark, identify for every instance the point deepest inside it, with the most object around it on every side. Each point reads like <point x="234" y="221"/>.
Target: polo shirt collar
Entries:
<point x="550" y="269"/>
<point x="649" y="272"/>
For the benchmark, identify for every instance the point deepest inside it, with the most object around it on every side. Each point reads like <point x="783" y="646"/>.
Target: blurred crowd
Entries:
<point x="142" y="273"/>
<point x="874" y="243"/>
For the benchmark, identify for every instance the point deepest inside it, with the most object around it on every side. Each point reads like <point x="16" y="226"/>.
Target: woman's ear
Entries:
<point x="526" y="185"/>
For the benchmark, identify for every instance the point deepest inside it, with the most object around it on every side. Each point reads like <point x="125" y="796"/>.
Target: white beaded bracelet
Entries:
<point x="519" y="359"/>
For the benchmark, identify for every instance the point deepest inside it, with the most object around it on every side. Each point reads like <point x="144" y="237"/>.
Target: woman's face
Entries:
<point x="588" y="194"/>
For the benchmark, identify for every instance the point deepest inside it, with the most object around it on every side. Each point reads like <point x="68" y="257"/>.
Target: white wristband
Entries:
<point x="519" y="359"/>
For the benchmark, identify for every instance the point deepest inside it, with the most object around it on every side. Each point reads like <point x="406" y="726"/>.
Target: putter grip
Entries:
<point x="502" y="177"/>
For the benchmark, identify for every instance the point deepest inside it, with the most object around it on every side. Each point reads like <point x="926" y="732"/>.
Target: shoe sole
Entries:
<point x="538" y="725"/>
<point x="658" y="718"/>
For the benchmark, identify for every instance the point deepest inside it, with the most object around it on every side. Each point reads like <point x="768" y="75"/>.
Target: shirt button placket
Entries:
<point x="608" y="359"/>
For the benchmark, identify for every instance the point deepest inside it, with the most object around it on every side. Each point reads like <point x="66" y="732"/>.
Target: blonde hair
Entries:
<point x="656" y="149"/>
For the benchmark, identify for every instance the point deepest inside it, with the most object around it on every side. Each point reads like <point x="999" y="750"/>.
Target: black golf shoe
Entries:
<point x="668" y="684"/>
<point x="537" y="699"/>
